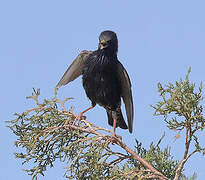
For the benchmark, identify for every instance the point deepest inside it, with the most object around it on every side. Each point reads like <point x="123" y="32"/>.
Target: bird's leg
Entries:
<point x="114" y="127"/>
<point x="114" y="136"/>
<point x="79" y="116"/>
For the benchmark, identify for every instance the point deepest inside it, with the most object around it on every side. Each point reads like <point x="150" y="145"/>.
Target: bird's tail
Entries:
<point x="120" y="122"/>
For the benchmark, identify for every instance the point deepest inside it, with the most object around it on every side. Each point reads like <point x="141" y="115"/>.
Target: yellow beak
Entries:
<point x="102" y="43"/>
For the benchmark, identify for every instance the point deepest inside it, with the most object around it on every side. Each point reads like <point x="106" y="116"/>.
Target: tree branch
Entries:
<point x="141" y="160"/>
<point x="89" y="128"/>
<point x="94" y="130"/>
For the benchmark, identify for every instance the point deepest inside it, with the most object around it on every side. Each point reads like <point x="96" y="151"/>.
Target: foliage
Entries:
<point x="160" y="159"/>
<point x="180" y="106"/>
<point x="48" y="132"/>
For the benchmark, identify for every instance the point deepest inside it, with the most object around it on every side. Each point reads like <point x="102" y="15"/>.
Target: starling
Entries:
<point x="104" y="79"/>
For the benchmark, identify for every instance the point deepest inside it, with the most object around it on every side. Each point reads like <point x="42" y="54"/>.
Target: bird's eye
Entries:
<point x="103" y="43"/>
<point x="109" y="42"/>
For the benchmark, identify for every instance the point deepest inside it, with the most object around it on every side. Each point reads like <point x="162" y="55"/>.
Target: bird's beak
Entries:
<point x="103" y="44"/>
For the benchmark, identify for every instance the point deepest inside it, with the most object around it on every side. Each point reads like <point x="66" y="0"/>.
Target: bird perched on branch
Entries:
<point x="105" y="80"/>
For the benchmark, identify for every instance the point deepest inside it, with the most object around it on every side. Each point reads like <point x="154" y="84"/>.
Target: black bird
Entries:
<point x="105" y="80"/>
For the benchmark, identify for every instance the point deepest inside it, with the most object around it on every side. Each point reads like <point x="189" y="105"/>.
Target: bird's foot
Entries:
<point x="115" y="138"/>
<point x="78" y="118"/>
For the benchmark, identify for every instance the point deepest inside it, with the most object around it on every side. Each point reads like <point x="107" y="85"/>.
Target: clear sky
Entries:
<point x="158" y="41"/>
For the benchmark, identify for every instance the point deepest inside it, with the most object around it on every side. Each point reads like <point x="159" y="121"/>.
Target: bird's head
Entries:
<point x="108" y="42"/>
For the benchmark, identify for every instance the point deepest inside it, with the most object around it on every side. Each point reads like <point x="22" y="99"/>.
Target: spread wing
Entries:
<point x="126" y="94"/>
<point x="75" y="69"/>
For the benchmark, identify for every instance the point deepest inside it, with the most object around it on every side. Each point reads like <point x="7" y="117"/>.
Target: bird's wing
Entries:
<point x="75" y="69"/>
<point x="126" y="94"/>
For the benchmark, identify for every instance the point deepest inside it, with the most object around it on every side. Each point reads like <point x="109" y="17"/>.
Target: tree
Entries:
<point x="47" y="132"/>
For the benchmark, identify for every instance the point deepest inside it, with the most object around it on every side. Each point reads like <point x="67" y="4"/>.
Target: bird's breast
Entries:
<point x="101" y="83"/>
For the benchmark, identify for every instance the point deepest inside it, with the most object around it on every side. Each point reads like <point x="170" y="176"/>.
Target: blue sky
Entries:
<point x="158" y="41"/>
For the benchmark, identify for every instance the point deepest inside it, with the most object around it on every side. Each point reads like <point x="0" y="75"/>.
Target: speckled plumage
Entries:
<point x="104" y="79"/>
<point x="102" y="84"/>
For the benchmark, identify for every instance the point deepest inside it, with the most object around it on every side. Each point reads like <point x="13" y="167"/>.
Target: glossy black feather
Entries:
<point x="126" y="94"/>
<point x="105" y="80"/>
<point x="102" y="84"/>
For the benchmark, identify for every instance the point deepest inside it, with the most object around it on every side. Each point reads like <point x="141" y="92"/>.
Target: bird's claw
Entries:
<point x="115" y="138"/>
<point x="78" y="118"/>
